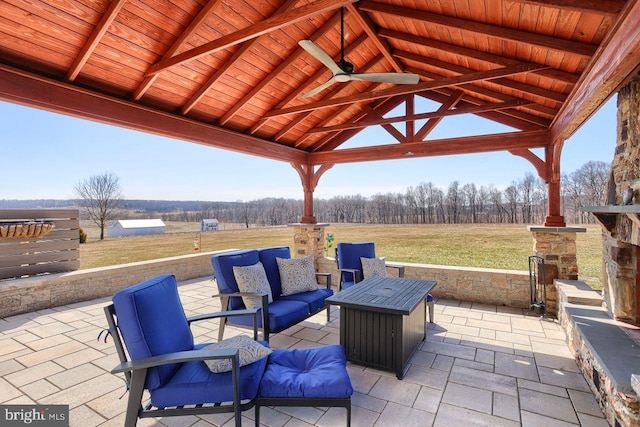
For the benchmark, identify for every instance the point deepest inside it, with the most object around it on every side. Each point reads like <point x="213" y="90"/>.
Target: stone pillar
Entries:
<point x="557" y="246"/>
<point x="308" y="239"/>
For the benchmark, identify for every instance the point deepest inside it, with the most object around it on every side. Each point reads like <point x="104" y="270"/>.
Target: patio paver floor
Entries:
<point x="481" y="365"/>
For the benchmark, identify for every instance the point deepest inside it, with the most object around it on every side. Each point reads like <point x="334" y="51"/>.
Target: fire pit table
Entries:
<point x="383" y="320"/>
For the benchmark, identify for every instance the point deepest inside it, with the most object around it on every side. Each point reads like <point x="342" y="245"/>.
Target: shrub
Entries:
<point x="83" y="236"/>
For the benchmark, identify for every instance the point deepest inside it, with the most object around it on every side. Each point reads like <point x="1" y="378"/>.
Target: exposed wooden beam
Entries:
<point x="617" y="58"/>
<point x="479" y="55"/>
<point x="369" y="28"/>
<point x="311" y="80"/>
<point x="332" y="92"/>
<point x="421" y="116"/>
<point x="98" y="32"/>
<point x="502" y="33"/>
<point x="259" y="28"/>
<point x="213" y="79"/>
<point x="403" y="90"/>
<point x="442" y="147"/>
<point x="543" y="113"/>
<point x="450" y="103"/>
<point x="236" y="56"/>
<point x="552" y="96"/>
<point x="177" y="45"/>
<point x="27" y="89"/>
<point x="600" y="7"/>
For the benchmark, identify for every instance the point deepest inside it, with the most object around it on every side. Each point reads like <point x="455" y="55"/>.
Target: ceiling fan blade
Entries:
<point x="320" y="88"/>
<point x="396" y="78"/>
<point x="320" y="55"/>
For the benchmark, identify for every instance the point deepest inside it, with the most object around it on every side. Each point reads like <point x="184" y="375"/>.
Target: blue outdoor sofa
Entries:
<point x="285" y="310"/>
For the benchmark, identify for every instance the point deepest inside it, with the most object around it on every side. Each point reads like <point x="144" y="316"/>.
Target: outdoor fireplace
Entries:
<point x="621" y="222"/>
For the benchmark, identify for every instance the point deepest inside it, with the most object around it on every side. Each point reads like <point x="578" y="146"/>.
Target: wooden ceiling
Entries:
<point x="230" y="73"/>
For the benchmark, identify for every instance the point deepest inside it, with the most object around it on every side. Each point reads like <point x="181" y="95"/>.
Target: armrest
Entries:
<point x="400" y="269"/>
<point x="264" y="297"/>
<point x="327" y="276"/>
<point x="178" y="357"/>
<point x="230" y="313"/>
<point x="354" y="271"/>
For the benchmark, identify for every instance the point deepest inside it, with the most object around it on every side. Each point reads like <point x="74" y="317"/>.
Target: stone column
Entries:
<point x="308" y="239"/>
<point x="557" y="246"/>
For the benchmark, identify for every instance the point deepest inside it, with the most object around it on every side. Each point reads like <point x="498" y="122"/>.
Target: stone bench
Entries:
<point x="608" y="357"/>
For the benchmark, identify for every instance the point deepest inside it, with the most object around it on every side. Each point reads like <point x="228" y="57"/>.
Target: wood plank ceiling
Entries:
<point x="230" y="73"/>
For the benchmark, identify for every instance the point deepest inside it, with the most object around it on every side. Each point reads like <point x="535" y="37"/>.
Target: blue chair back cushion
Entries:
<point x="349" y="255"/>
<point x="152" y="322"/>
<point x="312" y="372"/>
<point x="223" y="268"/>
<point x="268" y="259"/>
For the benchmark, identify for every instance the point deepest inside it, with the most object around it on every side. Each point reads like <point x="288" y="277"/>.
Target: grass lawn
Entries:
<point x="488" y="246"/>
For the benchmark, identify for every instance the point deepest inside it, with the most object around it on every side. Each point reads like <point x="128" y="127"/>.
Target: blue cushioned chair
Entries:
<point x="350" y="266"/>
<point x="164" y="360"/>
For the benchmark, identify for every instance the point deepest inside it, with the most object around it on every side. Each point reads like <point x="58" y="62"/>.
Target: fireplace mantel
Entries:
<point x="607" y="215"/>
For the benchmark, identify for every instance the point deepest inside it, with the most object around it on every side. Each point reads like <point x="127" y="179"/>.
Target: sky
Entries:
<point x="44" y="155"/>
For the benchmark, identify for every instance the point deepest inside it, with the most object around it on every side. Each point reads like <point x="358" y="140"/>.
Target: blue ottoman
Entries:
<point x="306" y="377"/>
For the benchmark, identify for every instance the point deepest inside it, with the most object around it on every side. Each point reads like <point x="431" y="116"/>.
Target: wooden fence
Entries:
<point x="25" y="251"/>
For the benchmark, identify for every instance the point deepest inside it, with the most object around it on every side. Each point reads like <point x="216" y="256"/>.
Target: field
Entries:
<point x="504" y="246"/>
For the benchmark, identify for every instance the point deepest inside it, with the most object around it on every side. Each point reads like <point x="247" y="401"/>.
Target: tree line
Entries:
<point x="524" y="201"/>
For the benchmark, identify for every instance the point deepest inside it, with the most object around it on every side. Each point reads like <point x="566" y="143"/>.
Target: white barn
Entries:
<point x="135" y="227"/>
<point x="209" y="225"/>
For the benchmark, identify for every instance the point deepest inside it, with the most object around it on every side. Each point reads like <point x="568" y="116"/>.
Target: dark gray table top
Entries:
<point x="384" y="294"/>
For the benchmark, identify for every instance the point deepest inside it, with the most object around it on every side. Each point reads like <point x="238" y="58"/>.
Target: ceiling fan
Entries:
<point x="343" y="70"/>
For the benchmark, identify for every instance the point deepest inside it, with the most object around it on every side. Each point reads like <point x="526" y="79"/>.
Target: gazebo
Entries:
<point x="234" y="75"/>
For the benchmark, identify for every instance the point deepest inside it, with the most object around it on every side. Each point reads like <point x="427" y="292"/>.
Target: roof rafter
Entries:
<point x="555" y="97"/>
<point x="403" y="90"/>
<point x="100" y="30"/>
<point x="178" y="44"/>
<point x="466" y="52"/>
<point x="503" y="33"/>
<point x="223" y="70"/>
<point x="280" y="68"/>
<point x="601" y="7"/>
<point x="259" y="28"/>
<point x="381" y="44"/>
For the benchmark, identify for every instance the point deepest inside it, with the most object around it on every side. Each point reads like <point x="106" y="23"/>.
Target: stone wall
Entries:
<point x="482" y="285"/>
<point x="39" y="293"/>
<point x="501" y="287"/>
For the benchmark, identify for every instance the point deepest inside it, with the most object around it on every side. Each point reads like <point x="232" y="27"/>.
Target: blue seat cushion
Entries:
<point x="312" y="373"/>
<point x="348" y="283"/>
<point x="315" y="299"/>
<point x="282" y="314"/>
<point x="193" y="383"/>
<point x="152" y="322"/>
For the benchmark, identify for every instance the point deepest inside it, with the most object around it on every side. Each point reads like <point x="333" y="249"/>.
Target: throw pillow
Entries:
<point x="252" y="279"/>
<point x="249" y="352"/>
<point x="373" y="267"/>
<point x="297" y="275"/>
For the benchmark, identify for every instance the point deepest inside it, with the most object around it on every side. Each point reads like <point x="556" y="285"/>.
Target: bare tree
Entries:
<point x="102" y="197"/>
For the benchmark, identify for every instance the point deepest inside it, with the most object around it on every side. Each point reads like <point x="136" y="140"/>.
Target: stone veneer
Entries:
<point x="308" y="239"/>
<point x="621" y="240"/>
<point x="557" y="246"/>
